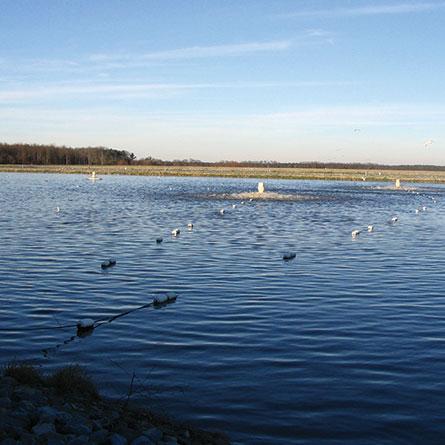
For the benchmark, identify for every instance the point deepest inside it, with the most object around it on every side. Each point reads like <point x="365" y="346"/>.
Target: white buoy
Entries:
<point x="176" y="232"/>
<point x="163" y="298"/>
<point x="85" y="323"/>
<point x="395" y="219"/>
<point x="289" y="256"/>
<point x="355" y="233"/>
<point x="397" y="182"/>
<point x="159" y="240"/>
<point x="261" y="187"/>
<point x="190" y="226"/>
<point x="93" y="177"/>
<point x="370" y="228"/>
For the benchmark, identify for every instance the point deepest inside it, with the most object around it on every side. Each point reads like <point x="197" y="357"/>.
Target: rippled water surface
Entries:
<point x="345" y="343"/>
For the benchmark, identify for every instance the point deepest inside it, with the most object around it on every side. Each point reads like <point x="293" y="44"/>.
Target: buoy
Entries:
<point x="261" y="187"/>
<point x="355" y="233"/>
<point x="370" y="228"/>
<point x="176" y="232"/>
<point x="85" y="323"/>
<point x="394" y="219"/>
<point x="289" y="256"/>
<point x="190" y="226"/>
<point x="159" y="240"/>
<point x="164" y="298"/>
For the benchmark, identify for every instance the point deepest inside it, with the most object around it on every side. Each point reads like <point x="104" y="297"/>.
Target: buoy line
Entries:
<point x="159" y="300"/>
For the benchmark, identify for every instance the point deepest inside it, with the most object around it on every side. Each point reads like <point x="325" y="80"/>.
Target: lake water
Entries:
<point x="345" y="343"/>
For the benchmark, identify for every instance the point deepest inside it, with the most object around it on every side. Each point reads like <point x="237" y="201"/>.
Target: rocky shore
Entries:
<point x="67" y="409"/>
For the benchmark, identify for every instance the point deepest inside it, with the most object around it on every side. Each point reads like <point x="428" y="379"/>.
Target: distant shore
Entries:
<point x="383" y="175"/>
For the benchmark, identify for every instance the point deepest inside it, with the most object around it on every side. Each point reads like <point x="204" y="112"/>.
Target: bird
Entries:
<point x="190" y="226"/>
<point x="159" y="240"/>
<point x="424" y="208"/>
<point x="370" y="228"/>
<point x="355" y="233"/>
<point x="222" y="211"/>
<point x="58" y="209"/>
<point x="417" y="211"/>
<point x="429" y="142"/>
<point x="395" y="219"/>
<point x="176" y="232"/>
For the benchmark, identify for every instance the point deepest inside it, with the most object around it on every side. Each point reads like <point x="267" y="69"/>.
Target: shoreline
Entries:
<point x="436" y="177"/>
<point x="66" y="408"/>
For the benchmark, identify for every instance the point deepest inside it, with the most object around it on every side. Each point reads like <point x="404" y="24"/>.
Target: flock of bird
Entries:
<point x="356" y="232"/>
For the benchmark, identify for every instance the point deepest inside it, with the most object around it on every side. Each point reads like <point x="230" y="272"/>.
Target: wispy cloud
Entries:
<point x="397" y="8"/>
<point x="200" y="51"/>
<point x="136" y="90"/>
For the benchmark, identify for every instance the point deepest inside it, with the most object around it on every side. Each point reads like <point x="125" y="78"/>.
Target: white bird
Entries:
<point x="355" y="233"/>
<point x="222" y="211"/>
<point x="370" y="228"/>
<point x="233" y="206"/>
<point x="424" y="208"/>
<point x="176" y="232"/>
<point x="58" y="209"/>
<point x="190" y="226"/>
<point x="242" y="202"/>
<point x="429" y="142"/>
<point x="395" y="219"/>
<point x="417" y="210"/>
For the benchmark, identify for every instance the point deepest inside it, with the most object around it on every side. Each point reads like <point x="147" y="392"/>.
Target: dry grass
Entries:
<point x="240" y="172"/>
<point x="73" y="380"/>
<point x="23" y="373"/>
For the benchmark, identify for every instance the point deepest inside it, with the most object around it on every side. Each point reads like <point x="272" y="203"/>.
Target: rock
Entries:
<point x="99" y="436"/>
<point x="5" y="402"/>
<point x="75" y="427"/>
<point x="46" y="414"/>
<point x="171" y="440"/>
<point x="117" y="439"/>
<point x="28" y="439"/>
<point x="142" y="440"/>
<point x="80" y="440"/>
<point x="63" y="417"/>
<point x="153" y="434"/>
<point x="42" y="430"/>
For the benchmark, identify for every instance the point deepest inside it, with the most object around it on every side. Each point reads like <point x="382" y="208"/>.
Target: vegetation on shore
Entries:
<point x="52" y="159"/>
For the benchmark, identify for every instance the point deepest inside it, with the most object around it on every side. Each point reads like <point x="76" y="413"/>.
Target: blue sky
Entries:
<point x="284" y="80"/>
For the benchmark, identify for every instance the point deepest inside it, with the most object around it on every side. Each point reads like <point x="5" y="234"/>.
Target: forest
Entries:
<point x="33" y="154"/>
<point x="37" y="154"/>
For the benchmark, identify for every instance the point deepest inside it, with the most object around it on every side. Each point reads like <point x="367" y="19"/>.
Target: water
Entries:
<point x="345" y="343"/>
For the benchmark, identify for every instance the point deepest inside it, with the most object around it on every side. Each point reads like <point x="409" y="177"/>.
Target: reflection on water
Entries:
<point x="343" y="343"/>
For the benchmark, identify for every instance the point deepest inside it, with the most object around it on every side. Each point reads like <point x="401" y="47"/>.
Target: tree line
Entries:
<point x="52" y="155"/>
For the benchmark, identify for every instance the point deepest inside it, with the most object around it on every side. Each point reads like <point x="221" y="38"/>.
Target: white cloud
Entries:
<point x="400" y="8"/>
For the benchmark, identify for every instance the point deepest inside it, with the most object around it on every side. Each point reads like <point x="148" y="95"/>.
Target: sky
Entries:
<point x="263" y="80"/>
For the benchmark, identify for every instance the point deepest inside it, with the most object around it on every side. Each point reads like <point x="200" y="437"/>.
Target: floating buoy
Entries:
<point x="355" y="233"/>
<point x="289" y="256"/>
<point x="370" y="228"/>
<point x="107" y="263"/>
<point x="159" y="240"/>
<point x="190" y="226"/>
<point x="176" y="232"/>
<point x="85" y="323"/>
<point x="164" y="298"/>
<point x="395" y="219"/>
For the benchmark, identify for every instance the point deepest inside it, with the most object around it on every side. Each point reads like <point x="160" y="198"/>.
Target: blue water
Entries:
<point x="343" y="344"/>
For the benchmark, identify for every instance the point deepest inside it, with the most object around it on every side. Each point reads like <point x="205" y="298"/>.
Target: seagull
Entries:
<point x="190" y="226"/>
<point x="176" y="232"/>
<point x="429" y="142"/>
<point x="370" y="228"/>
<point x="355" y="233"/>
<point x="394" y="219"/>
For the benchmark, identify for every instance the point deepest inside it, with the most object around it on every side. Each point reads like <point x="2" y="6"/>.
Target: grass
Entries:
<point x="70" y="380"/>
<point x="264" y="173"/>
